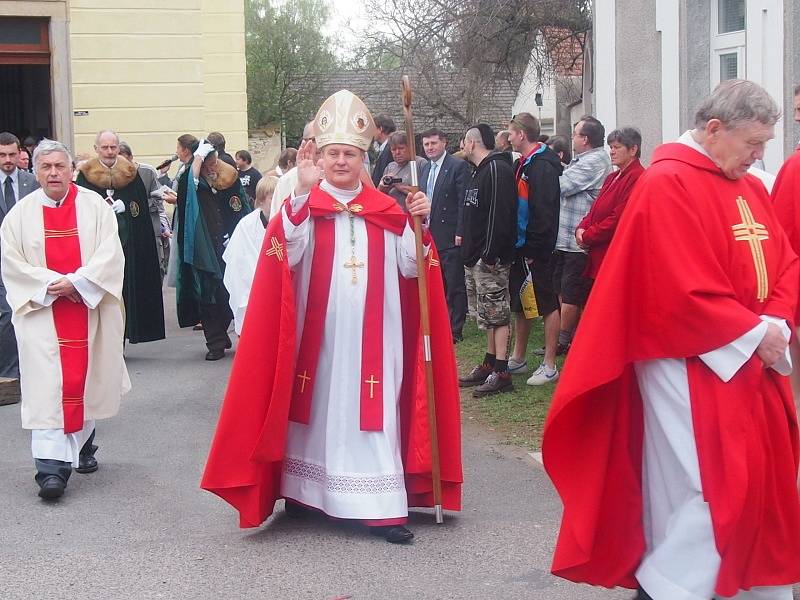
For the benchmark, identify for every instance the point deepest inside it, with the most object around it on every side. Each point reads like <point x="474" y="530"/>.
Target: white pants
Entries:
<point x="57" y="445"/>
<point x="681" y="562"/>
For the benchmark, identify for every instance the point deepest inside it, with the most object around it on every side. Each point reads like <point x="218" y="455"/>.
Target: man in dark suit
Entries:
<point x="14" y="185"/>
<point x="444" y="179"/>
<point x="385" y="127"/>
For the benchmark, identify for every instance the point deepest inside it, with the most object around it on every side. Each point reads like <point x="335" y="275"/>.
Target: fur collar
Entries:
<point x="115" y="178"/>
<point x="226" y="176"/>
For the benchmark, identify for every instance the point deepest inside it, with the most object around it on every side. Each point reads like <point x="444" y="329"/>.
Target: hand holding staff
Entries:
<point x="415" y="204"/>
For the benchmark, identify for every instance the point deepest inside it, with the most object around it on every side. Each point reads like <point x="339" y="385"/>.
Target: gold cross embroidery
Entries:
<point x="354" y="264"/>
<point x="276" y="250"/>
<point x="753" y="233"/>
<point x="372" y="383"/>
<point x="432" y="263"/>
<point x="303" y="379"/>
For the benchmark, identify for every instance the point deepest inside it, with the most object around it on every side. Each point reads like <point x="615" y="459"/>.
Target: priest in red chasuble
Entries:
<point x="62" y="265"/>
<point x="326" y="405"/>
<point x="672" y="438"/>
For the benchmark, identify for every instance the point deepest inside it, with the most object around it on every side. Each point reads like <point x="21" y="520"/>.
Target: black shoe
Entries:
<point x="215" y="354"/>
<point x="394" y="534"/>
<point x="52" y="488"/>
<point x="10" y="392"/>
<point x="494" y="384"/>
<point x="296" y="511"/>
<point x="228" y="344"/>
<point x="475" y="377"/>
<point x="642" y="595"/>
<point x="198" y="327"/>
<point x="86" y="464"/>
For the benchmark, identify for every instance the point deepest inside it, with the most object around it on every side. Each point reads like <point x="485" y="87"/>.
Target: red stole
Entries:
<point x="63" y="255"/>
<point x="322" y="207"/>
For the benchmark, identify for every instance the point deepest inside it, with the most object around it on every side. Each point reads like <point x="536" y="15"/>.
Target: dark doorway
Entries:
<point x="25" y="100"/>
<point x="25" y="88"/>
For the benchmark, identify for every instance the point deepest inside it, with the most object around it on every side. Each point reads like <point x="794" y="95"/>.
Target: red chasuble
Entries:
<point x="63" y="254"/>
<point x="696" y="259"/>
<point x="786" y="200"/>
<point x="601" y="222"/>
<point x="269" y="383"/>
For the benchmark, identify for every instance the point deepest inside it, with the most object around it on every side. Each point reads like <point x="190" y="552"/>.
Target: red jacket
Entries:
<point x="785" y="200"/>
<point x="601" y="221"/>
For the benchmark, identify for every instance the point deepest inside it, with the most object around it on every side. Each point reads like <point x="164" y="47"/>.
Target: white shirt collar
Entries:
<point x="341" y="195"/>
<point x="687" y="139"/>
<point x="47" y="201"/>
<point x="439" y="161"/>
<point x="14" y="176"/>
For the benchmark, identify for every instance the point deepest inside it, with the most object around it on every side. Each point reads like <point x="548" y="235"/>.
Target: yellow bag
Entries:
<point x="526" y="295"/>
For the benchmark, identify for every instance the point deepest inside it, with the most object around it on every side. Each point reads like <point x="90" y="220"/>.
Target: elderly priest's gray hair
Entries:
<point x="737" y="101"/>
<point x="49" y="147"/>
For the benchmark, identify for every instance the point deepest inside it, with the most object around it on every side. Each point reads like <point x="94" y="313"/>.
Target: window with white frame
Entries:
<point x="728" y="40"/>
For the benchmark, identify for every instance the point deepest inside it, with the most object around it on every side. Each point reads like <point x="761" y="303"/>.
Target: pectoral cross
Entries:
<point x="354" y="264"/>
<point x="303" y="379"/>
<point x="753" y="233"/>
<point x="372" y="382"/>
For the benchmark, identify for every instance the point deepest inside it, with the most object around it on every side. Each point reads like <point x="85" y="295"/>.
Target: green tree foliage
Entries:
<point x="287" y="52"/>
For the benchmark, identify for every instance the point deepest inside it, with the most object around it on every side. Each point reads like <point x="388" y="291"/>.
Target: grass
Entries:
<point x="518" y="416"/>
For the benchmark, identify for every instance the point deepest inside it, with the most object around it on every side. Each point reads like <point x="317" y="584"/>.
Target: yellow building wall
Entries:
<point x="153" y="70"/>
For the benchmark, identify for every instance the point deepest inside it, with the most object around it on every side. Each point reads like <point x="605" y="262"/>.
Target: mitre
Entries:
<point x="344" y="119"/>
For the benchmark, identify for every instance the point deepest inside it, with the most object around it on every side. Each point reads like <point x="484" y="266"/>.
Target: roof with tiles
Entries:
<point x="380" y="90"/>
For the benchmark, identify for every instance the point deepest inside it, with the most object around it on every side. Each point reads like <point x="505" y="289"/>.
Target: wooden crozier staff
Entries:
<point x="424" y="312"/>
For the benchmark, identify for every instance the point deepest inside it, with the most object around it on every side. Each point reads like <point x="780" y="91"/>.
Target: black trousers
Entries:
<point x="46" y="467"/>
<point x="216" y="318"/>
<point x="455" y="288"/>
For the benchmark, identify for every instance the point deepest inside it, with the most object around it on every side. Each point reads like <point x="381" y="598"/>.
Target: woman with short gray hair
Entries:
<point x="595" y="231"/>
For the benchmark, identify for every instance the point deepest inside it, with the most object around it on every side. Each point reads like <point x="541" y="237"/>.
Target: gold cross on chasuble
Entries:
<point x="753" y="233"/>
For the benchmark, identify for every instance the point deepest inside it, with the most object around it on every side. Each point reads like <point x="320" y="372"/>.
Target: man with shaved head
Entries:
<point x="118" y="181"/>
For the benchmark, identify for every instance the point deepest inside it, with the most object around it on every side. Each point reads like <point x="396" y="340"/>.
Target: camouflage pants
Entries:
<point x="493" y="302"/>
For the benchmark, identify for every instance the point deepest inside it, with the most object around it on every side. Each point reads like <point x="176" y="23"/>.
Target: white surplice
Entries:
<point x="330" y="463"/>
<point x="682" y="561"/>
<point x="241" y="256"/>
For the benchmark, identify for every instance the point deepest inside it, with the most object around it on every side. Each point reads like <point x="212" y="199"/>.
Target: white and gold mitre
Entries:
<point x="344" y="119"/>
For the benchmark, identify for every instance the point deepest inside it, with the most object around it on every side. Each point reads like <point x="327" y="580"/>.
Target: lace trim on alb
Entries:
<point x="344" y="484"/>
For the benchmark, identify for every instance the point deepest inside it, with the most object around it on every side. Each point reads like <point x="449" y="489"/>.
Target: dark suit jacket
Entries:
<point x="27" y="183"/>
<point x="447" y="203"/>
<point x="384" y="158"/>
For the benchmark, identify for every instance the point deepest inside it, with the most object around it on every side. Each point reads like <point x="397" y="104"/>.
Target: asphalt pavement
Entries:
<point x="141" y="528"/>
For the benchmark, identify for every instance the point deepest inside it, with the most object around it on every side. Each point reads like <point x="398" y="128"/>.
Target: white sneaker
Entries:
<point x="543" y="375"/>
<point x="516" y="367"/>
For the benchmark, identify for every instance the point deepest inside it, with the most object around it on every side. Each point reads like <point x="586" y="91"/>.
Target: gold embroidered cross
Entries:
<point x="753" y="233"/>
<point x="372" y="383"/>
<point x="303" y="379"/>
<point x="432" y="263"/>
<point x="354" y="264"/>
<point x="276" y="250"/>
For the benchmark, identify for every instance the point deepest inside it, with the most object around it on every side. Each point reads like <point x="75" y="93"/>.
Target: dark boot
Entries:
<point x="495" y="383"/>
<point x="52" y="476"/>
<point x="476" y="376"/>
<point x="87" y="463"/>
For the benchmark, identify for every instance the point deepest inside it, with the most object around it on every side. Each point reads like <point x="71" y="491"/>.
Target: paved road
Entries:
<point x="141" y="528"/>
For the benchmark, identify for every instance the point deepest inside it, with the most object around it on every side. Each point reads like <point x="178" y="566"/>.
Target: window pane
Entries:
<point x="731" y="15"/>
<point x="728" y="66"/>
<point x="20" y="31"/>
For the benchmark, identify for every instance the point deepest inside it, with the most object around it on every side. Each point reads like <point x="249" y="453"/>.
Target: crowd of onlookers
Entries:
<point x="522" y="222"/>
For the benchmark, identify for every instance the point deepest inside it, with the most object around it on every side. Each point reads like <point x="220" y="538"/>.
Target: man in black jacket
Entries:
<point x="487" y="249"/>
<point x="386" y="127"/>
<point x="538" y="196"/>
<point x="444" y="179"/>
